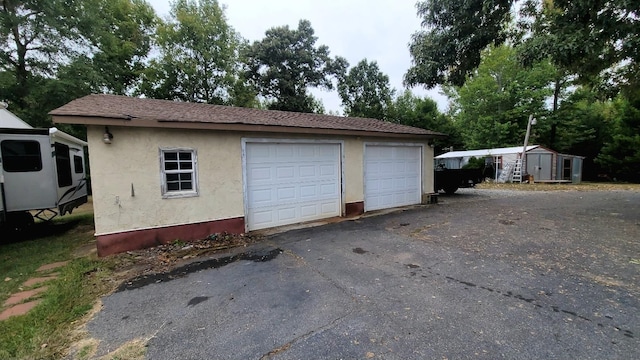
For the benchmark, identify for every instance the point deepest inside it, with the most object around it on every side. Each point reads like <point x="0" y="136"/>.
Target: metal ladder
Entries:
<point x="517" y="171"/>
<point x="512" y="172"/>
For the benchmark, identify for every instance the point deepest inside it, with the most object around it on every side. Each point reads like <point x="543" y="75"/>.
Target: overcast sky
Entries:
<point x="377" y="30"/>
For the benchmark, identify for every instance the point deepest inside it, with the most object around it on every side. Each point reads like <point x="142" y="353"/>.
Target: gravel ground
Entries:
<point x="483" y="274"/>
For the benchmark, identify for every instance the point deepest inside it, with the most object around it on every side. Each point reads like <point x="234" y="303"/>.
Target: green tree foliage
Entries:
<point x="491" y="109"/>
<point x="456" y="32"/>
<point x="475" y="163"/>
<point x="620" y="155"/>
<point x="583" y="37"/>
<point x="408" y="109"/>
<point x="121" y="34"/>
<point x="583" y="125"/>
<point x="593" y="39"/>
<point x="34" y="37"/>
<point x="199" y="55"/>
<point x="56" y="50"/>
<point x="365" y="91"/>
<point x="286" y="63"/>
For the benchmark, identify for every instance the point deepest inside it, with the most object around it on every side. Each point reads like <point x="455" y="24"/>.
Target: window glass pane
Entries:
<point x="171" y="165"/>
<point x="179" y="170"/>
<point x="78" y="164"/>
<point x="21" y="156"/>
<point x="63" y="164"/>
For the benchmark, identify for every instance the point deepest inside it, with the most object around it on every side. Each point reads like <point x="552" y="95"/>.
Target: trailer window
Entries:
<point x="78" y="164"/>
<point x="179" y="176"/>
<point x="63" y="164"/>
<point x="21" y="156"/>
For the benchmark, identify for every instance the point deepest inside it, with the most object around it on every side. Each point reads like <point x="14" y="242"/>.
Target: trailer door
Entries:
<point x="27" y="168"/>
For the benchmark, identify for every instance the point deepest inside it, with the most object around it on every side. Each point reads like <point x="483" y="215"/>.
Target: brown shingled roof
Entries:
<point x="176" y="114"/>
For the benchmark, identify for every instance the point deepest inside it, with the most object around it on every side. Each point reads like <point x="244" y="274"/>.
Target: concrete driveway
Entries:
<point x="484" y="274"/>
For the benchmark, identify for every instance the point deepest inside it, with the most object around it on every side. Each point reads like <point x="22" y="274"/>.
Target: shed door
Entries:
<point x="392" y="176"/>
<point x="288" y="183"/>
<point x="539" y="165"/>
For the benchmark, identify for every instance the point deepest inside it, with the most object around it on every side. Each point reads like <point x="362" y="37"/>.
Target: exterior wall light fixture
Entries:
<point x="107" y="137"/>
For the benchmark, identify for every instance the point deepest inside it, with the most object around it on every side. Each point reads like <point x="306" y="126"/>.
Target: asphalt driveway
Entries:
<point x="484" y="274"/>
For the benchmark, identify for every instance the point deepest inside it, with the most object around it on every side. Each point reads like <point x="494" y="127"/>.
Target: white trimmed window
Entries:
<point x="179" y="172"/>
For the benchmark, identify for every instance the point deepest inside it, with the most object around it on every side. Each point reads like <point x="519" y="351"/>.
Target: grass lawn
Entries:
<point x="47" y="331"/>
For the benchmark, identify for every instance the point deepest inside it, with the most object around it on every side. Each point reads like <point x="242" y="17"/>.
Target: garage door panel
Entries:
<point x="285" y="172"/>
<point x="293" y="182"/>
<point x="288" y="193"/>
<point x="307" y="171"/>
<point x="330" y="207"/>
<point x="308" y="191"/>
<point x="308" y="210"/>
<point x="393" y="176"/>
<point x="286" y="213"/>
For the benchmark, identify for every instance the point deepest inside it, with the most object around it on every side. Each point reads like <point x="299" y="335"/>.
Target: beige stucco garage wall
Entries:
<point x="132" y="161"/>
<point x="126" y="176"/>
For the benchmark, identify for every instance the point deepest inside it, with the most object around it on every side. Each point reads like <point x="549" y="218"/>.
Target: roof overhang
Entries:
<point x="151" y="123"/>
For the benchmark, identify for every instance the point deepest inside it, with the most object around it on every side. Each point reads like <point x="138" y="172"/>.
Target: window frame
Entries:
<point x="78" y="164"/>
<point x="64" y="172"/>
<point x="170" y="194"/>
<point x="12" y="169"/>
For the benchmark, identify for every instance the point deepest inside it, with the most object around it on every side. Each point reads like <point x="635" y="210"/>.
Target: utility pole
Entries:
<point x="532" y="121"/>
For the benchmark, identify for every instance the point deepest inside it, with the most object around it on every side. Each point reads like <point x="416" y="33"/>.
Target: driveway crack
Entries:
<point x="290" y="343"/>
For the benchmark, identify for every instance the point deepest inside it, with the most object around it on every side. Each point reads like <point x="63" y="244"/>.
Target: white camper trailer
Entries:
<point x="41" y="170"/>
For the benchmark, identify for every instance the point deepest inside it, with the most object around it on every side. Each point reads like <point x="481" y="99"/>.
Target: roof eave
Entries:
<point x="135" y="122"/>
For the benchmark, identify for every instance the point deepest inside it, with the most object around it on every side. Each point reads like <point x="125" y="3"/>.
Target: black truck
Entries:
<point x="450" y="180"/>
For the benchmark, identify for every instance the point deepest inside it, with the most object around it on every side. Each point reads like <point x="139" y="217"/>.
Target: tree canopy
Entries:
<point x="455" y="34"/>
<point x="573" y="64"/>
<point x="365" y="91"/>
<point x="591" y="39"/>
<point x="198" y="55"/>
<point x="287" y="62"/>
<point x="492" y="107"/>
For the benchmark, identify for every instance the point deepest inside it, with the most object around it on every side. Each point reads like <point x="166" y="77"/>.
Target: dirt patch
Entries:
<point x="164" y="258"/>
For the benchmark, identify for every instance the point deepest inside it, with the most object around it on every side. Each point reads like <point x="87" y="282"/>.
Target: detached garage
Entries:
<point x="164" y="170"/>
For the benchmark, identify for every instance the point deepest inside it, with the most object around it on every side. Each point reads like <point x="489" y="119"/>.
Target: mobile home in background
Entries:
<point x="42" y="172"/>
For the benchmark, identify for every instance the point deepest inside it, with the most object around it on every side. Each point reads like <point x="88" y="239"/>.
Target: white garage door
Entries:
<point x="392" y="176"/>
<point x="288" y="183"/>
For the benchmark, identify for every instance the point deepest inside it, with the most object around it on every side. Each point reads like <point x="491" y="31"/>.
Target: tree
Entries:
<point x="286" y="63"/>
<point x="456" y="33"/>
<point x="121" y="38"/>
<point x="34" y="37"/>
<point x="620" y="155"/>
<point x="199" y="52"/>
<point x="593" y="39"/>
<point x="103" y="43"/>
<point x="492" y="107"/>
<point x="584" y="37"/>
<point x="365" y="91"/>
<point x="411" y="110"/>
